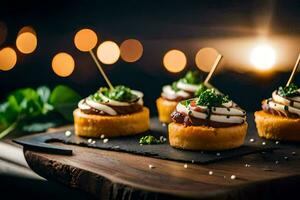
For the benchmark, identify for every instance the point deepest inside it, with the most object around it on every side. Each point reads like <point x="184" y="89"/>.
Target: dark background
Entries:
<point x="160" y="26"/>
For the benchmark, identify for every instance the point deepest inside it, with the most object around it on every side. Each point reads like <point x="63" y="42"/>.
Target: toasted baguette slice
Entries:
<point x="206" y="138"/>
<point x="87" y="125"/>
<point x="277" y="127"/>
<point x="165" y="108"/>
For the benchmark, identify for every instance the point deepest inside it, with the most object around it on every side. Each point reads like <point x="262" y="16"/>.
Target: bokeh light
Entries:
<point x="63" y="64"/>
<point x="174" y="61"/>
<point x="205" y="58"/>
<point x="108" y="52"/>
<point x="26" y="40"/>
<point x="8" y="58"/>
<point x="263" y="57"/>
<point x="85" y="40"/>
<point x="131" y="50"/>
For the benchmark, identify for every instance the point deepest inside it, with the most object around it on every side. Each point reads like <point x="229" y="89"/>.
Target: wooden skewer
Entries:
<point x="213" y="69"/>
<point x="101" y="70"/>
<point x="294" y="71"/>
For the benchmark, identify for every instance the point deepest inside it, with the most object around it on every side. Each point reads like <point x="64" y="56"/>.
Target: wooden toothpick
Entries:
<point x="213" y="69"/>
<point x="101" y="70"/>
<point x="294" y="71"/>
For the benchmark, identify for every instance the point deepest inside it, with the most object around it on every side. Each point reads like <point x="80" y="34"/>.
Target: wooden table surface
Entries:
<point x="18" y="181"/>
<point x="116" y="175"/>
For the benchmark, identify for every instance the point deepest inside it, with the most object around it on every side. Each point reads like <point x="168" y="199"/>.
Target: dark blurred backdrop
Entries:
<point x="160" y="26"/>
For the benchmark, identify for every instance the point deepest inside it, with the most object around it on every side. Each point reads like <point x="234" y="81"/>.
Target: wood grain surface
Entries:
<point x="116" y="175"/>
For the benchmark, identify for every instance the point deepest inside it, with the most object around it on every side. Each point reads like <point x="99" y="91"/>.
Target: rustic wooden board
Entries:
<point x="116" y="175"/>
<point x="130" y="144"/>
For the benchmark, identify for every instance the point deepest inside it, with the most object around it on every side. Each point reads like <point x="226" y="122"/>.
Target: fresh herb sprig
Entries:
<point x="288" y="91"/>
<point x="211" y="98"/>
<point x="192" y="77"/>
<point x="119" y="93"/>
<point x="174" y="86"/>
<point x="200" y="89"/>
<point x="186" y="103"/>
<point x="33" y="110"/>
<point x="150" y="139"/>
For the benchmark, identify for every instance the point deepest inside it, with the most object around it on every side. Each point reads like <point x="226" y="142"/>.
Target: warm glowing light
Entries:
<point x="263" y="57"/>
<point x="108" y="52"/>
<point x="205" y="58"/>
<point x="26" y="41"/>
<point x="174" y="61"/>
<point x="8" y="58"/>
<point x="63" y="64"/>
<point x="85" y="39"/>
<point x="131" y="50"/>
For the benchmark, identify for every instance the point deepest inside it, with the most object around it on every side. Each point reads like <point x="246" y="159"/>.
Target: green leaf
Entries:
<point x="44" y="93"/>
<point x="64" y="101"/>
<point x="30" y="110"/>
<point x="26" y="101"/>
<point x="63" y="94"/>
<point x="8" y="114"/>
<point x="3" y="122"/>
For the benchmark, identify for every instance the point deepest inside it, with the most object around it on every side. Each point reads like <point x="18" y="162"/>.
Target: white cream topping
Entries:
<point x="296" y="98"/>
<point x="187" y="87"/>
<point x="100" y="106"/>
<point x="227" y="114"/>
<point x="171" y="94"/>
<point x="83" y="106"/>
<point x="284" y="104"/>
<point x="88" y="103"/>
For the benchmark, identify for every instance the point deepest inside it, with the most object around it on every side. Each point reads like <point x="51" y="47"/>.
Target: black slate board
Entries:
<point x="130" y="144"/>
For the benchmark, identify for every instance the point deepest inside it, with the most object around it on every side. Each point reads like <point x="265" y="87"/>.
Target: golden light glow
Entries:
<point x="63" y="64"/>
<point x="205" y="58"/>
<point x="174" y="61"/>
<point x="263" y="57"/>
<point x="85" y="39"/>
<point x="8" y="58"/>
<point x="26" y="41"/>
<point x="108" y="52"/>
<point x="131" y="50"/>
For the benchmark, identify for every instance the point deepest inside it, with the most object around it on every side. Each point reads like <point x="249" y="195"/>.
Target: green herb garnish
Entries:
<point x="37" y="110"/>
<point x="192" y="77"/>
<point x="288" y="91"/>
<point x="200" y="89"/>
<point x="96" y="97"/>
<point x="186" y="103"/>
<point x="211" y="98"/>
<point x="174" y="86"/>
<point x="150" y="139"/>
<point x="119" y="93"/>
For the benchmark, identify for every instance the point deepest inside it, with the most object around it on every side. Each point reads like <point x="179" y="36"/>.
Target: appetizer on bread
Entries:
<point x="187" y="87"/>
<point x="279" y="118"/>
<point x="209" y="122"/>
<point x="111" y="112"/>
